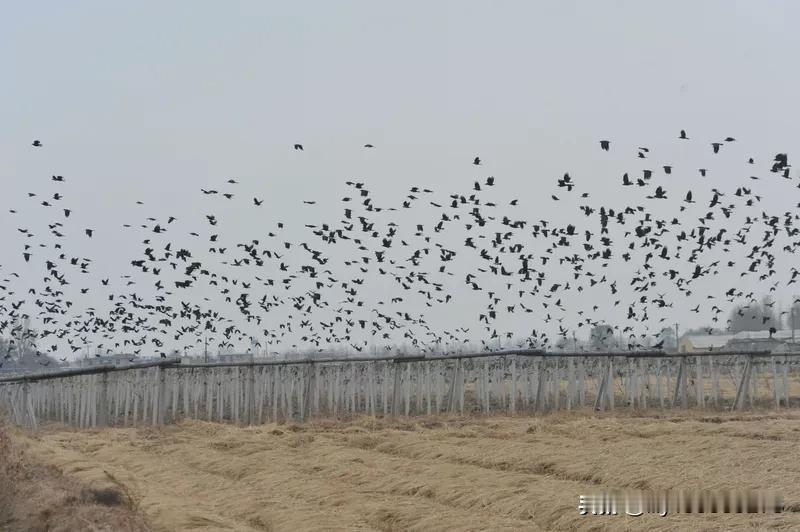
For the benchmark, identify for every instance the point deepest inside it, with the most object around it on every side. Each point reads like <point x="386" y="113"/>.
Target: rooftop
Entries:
<point x="708" y="341"/>
<point x="783" y="334"/>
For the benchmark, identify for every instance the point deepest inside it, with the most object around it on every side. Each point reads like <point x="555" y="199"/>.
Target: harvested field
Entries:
<point x="38" y="497"/>
<point x="496" y="473"/>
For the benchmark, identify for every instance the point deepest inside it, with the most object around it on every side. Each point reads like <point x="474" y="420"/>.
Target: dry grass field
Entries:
<point x="494" y="473"/>
<point x="35" y="496"/>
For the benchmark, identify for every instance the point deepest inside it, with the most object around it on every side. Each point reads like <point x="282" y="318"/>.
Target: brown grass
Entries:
<point x="39" y="497"/>
<point x="494" y="473"/>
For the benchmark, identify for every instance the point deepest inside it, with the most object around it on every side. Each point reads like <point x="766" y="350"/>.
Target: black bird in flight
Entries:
<point x="683" y="135"/>
<point x="368" y="146"/>
<point x="37" y="144"/>
<point x="89" y="232"/>
<point x="476" y="161"/>
<point x="660" y="194"/>
<point x="501" y="246"/>
<point x="604" y="144"/>
<point x="298" y="147"/>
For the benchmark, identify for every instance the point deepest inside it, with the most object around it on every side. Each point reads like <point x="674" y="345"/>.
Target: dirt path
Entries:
<point x="435" y="474"/>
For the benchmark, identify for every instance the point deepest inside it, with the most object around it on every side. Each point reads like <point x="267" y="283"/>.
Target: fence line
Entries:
<point x="512" y="382"/>
<point x="102" y="368"/>
<point x="416" y="358"/>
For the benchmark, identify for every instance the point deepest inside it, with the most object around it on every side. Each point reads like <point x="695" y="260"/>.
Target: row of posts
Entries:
<point x="538" y="384"/>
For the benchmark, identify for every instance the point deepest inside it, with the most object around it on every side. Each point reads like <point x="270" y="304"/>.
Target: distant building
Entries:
<point x="28" y="363"/>
<point x="120" y="359"/>
<point x="235" y="357"/>
<point x="697" y="343"/>
<point x="779" y="341"/>
<point x="762" y="340"/>
<point x="788" y="347"/>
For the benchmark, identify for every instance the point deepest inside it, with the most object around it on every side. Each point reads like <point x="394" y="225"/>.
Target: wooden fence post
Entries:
<point x="680" y="384"/>
<point x="102" y="415"/>
<point x="27" y="406"/>
<point x="743" y="386"/>
<point x="540" y="383"/>
<point x="602" y="390"/>
<point x="162" y="395"/>
<point x="250" y="395"/>
<point x="396" y="389"/>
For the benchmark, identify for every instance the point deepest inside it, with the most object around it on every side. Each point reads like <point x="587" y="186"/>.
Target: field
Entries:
<point x="496" y="473"/>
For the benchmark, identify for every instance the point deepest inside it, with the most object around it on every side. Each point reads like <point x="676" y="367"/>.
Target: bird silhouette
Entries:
<point x="315" y="284"/>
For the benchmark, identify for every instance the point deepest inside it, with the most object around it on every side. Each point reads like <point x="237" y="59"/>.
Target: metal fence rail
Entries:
<point x="512" y="382"/>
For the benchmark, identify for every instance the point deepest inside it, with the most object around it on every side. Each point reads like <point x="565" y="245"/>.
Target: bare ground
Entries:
<point x="494" y="473"/>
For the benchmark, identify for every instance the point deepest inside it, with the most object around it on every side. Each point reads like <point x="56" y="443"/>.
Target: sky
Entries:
<point x="150" y="101"/>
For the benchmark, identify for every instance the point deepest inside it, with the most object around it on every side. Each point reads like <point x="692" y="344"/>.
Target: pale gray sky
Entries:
<point x="151" y="101"/>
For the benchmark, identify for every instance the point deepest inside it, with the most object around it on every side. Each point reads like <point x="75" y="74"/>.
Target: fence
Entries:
<point x="480" y="383"/>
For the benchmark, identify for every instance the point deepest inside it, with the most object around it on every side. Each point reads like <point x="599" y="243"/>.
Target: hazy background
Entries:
<point x="151" y="101"/>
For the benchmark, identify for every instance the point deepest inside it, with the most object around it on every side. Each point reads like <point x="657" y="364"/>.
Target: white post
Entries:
<point x="103" y="406"/>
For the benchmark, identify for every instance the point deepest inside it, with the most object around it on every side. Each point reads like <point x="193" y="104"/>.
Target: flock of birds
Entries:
<point x="512" y="265"/>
